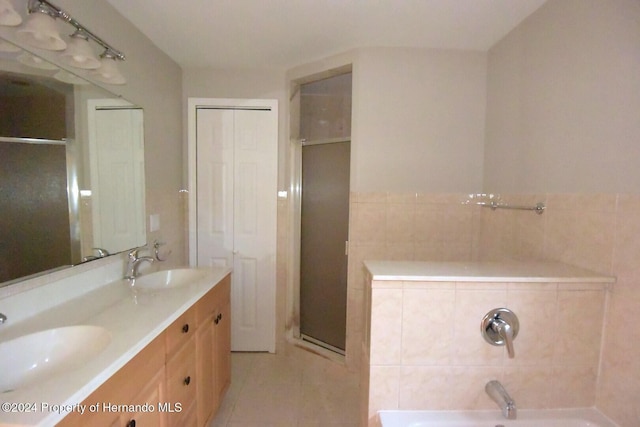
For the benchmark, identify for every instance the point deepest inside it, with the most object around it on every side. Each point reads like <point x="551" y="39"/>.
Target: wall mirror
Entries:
<point x="71" y="168"/>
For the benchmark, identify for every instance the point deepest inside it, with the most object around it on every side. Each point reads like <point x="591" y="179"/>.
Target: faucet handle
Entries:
<point x="505" y="331"/>
<point x="500" y="326"/>
<point x="156" y="246"/>
<point x="101" y="252"/>
<point x="133" y="253"/>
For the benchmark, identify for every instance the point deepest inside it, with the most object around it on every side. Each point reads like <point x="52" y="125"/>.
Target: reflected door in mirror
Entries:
<point x="117" y="176"/>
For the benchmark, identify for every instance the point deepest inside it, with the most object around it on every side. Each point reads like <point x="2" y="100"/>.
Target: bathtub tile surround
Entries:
<point x="594" y="231"/>
<point x="425" y="350"/>
<point x="620" y="369"/>
<point x="445" y="227"/>
<point x="403" y="226"/>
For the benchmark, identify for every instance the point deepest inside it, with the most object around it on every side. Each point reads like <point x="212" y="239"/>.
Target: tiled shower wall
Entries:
<point x="393" y="226"/>
<point x="427" y="352"/>
<point x="600" y="232"/>
<point x="402" y="227"/>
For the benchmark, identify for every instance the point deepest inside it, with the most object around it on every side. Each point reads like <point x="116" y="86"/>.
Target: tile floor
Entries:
<point x="294" y="388"/>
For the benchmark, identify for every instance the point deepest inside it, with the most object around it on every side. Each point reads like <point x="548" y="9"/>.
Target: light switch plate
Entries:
<point x="154" y="222"/>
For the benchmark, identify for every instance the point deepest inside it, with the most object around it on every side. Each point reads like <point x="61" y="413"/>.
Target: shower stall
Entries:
<point x="323" y="162"/>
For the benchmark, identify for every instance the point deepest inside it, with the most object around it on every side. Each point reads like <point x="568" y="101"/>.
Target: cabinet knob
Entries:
<point x="185" y="328"/>
<point x="187" y="380"/>
<point x="131" y="423"/>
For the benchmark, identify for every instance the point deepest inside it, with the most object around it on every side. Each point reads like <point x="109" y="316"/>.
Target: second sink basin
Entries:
<point x="169" y="278"/>
<point x="33" y="358"/>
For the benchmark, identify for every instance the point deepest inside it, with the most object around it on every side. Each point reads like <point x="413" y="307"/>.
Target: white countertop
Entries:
<point x="482" y="272"/>
<point x="134" y="319"/>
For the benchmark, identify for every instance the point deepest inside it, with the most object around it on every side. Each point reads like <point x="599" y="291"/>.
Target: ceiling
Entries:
<point x="238" y="34"/>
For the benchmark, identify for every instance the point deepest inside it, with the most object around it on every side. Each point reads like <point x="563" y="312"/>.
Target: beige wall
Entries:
<point x="418" y="120"/>
<point x="563" y="101"/>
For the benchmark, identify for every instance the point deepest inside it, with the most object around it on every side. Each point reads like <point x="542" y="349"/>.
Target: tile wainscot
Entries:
<point x="423" y="348"/>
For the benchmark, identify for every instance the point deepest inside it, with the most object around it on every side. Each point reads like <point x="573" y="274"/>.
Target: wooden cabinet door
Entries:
<point x="205" y="369"/>
<point x="151" y="394"/>
<point x="213" y="349"/>
<point x="181" y="383"/>
<point x="222" y="347"/>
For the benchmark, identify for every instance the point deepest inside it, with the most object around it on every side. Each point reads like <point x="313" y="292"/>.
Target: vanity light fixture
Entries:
<point x="8" y="15"/>
<point x="79" y="53"/>
<point x="40" y="29"/>
<point x="108" y="71"/>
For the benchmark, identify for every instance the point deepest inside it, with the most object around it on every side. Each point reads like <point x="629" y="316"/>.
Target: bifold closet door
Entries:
<point x="236" y="214"/>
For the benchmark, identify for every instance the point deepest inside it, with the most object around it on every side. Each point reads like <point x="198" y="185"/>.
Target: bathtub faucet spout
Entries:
<point x="498" y="394"/>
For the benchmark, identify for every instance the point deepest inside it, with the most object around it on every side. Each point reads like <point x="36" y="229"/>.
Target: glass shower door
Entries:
<point x="324" y="235"/>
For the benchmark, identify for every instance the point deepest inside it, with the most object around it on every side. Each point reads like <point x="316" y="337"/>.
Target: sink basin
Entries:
<point x="167" y="279"/>
<point x="31" y="359"/>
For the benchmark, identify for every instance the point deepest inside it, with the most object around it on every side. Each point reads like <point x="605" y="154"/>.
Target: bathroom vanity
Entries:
<point x="423" y="348"/>
<point x="155" y="353"/>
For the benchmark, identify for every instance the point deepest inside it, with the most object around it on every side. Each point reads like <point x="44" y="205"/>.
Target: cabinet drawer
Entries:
<point x="181" y="376"/>
<point x="212" y="300"/>
<point x="181" y="330"/>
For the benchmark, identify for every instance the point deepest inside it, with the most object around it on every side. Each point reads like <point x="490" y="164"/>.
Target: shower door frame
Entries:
<point x="294" y="212"/>
<point x="295" y="205"/>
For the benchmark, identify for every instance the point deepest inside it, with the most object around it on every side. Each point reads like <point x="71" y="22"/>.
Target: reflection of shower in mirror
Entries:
<point x="45" y="110"/>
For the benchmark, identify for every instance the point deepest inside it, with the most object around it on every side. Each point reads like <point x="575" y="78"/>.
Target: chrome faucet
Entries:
<point x="133" y="261"/>
<point x="3" y="318"/>
<point x="498" y="394"/>
<point x="101" y="254"/>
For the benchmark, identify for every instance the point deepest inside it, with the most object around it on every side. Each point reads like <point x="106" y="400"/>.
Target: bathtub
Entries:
<point x="526" y="418"/>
